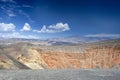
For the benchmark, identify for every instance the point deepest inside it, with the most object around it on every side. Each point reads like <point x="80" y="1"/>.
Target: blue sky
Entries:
<point x="59" y="18"/>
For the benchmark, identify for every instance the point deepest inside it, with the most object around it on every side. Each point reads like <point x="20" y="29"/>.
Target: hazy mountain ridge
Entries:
<point x="71" y="40"/>
<point x="78" y="39"/>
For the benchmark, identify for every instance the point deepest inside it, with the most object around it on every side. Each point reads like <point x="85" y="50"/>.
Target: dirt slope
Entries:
<point x="103" y="57"/>
<point x="105" y="54"/>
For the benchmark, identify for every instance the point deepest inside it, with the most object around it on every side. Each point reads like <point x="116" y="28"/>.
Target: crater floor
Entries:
<point x="61" y="74"/>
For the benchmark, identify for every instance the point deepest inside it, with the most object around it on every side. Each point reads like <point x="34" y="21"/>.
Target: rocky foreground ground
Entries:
<point x="61" y="74"/>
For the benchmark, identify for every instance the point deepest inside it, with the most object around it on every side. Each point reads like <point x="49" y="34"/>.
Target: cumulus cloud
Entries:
<point x="26" y="27"/>
<point x="103" y="35"/>
<point x="59" y="27"/>
<point x="7" y="27"/>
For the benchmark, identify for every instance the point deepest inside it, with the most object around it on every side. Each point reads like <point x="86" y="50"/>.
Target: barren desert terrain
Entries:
<point x="24" y="55"/>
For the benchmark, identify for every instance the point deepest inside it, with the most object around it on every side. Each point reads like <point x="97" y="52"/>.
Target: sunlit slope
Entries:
<point x="104" y="54"/>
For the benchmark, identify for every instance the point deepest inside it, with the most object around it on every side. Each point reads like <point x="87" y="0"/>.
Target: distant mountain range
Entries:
<point x="76" y="40"/>
<point x="71" y="40"/>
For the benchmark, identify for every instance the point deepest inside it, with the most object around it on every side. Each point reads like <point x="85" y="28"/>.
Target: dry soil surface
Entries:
<point x="66" y="74"/>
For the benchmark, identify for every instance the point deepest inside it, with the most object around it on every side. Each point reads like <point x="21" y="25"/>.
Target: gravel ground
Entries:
<point x="66" y="74"/>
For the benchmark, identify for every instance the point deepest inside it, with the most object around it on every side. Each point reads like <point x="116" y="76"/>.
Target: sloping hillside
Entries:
<point x="104" y="54"/>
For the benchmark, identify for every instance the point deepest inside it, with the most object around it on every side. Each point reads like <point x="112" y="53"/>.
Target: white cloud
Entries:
<point x="9" y="9"/>
<point x="10" y="13"/>
<point x="59" y="27"/>
<point x="18" y="35"/>
<point x="26" y="15"/>
<point x="104" y="35"/>
<point x="11" y="1"/>
<point x="7" y="27"/>
<point x="27" y="6"/>
<point x="26" y="27"/>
